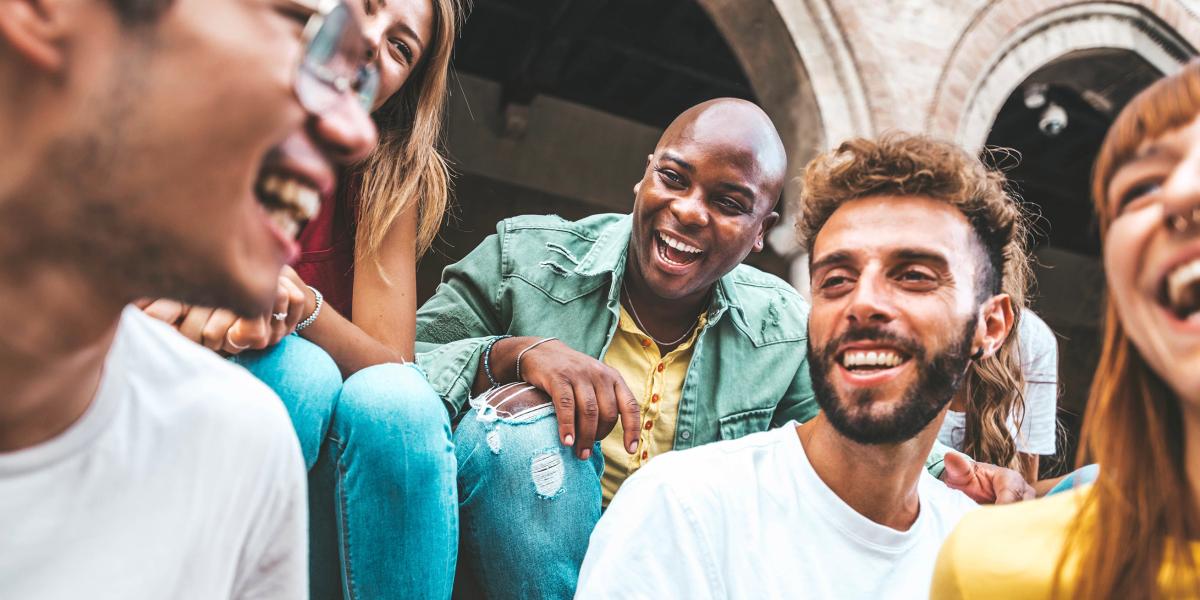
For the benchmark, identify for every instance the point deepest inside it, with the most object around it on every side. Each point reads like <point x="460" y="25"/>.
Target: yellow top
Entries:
<point x="657" y="382"/>
<point x="1012" y="551"/>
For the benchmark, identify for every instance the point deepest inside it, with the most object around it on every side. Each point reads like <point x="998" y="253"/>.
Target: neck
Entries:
<point x="877" y="481"/>
<point x="664" y="319"/>
<point x="55" y="332"/>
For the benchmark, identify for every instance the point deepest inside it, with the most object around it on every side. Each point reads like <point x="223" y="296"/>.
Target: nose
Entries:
<point x="345" y="132"/>
<point x="690" y="209"/>
<point x="871" y="301"/>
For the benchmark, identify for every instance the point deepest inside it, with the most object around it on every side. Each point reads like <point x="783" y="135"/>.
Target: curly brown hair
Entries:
<point x="904" y="164"/>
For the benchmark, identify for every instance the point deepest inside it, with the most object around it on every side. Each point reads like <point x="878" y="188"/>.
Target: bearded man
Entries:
<point x="909" y="240"/>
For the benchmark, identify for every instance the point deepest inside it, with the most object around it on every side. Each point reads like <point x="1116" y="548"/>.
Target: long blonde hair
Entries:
<point x="408" y="166"/>
<point x="994" y="389"/>
<point x="1139" y="514"/>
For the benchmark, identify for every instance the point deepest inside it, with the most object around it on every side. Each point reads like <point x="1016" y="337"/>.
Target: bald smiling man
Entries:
<point x="591" y="347"/>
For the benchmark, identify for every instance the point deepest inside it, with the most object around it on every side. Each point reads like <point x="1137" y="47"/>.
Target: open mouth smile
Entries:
<point x="288" y="200"/>
<point x="871" y="366"/>
<point x="674" y="251"/>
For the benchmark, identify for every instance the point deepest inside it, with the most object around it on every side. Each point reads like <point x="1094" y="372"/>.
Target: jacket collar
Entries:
<point x="609" y="255"/>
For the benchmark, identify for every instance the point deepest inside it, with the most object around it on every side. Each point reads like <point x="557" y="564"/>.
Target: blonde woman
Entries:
<point x="1132" y="533"/>
<point x="382" y="489"/>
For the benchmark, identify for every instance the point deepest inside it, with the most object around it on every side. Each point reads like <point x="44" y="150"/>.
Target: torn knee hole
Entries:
<point x="546" y="471"/>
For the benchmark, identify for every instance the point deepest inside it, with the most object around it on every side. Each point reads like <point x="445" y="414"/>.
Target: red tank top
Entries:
<point x="327" y="247"/>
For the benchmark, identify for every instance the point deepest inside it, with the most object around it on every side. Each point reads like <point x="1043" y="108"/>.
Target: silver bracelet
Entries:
<point x="310" y="319"/>
<point x="527" y="349"/>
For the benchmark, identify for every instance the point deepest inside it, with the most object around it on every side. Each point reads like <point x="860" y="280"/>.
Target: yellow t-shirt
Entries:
<point x="1012" y="551"/>
<point x="657" y="382"/>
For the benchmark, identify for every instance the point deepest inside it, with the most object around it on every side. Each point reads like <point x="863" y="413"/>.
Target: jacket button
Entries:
<point x="685" y="434"/>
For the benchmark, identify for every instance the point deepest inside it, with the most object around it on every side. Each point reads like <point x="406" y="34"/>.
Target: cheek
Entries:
<point x="1125" y="250"/>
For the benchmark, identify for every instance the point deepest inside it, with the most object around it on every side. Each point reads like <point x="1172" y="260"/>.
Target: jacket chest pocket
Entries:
<point x="746" y="422"/>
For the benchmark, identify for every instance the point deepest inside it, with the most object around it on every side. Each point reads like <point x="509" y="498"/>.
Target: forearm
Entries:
<point x="503" y="362"/>
<point x="348" y="345"/>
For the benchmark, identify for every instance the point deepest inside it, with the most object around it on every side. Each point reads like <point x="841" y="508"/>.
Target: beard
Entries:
<point x="939" y="375"/>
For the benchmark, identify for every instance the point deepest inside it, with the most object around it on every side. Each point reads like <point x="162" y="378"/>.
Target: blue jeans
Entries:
<point x="527" y="506"/>
<point x="383" y="520"/>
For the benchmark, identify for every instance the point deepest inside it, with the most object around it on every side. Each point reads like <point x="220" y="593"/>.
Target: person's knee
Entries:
<point x="517" y="448"/>
<point x="392" y="404"/>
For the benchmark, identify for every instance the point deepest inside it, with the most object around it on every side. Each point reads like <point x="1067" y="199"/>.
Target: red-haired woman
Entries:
<point x="1132" y="533"/>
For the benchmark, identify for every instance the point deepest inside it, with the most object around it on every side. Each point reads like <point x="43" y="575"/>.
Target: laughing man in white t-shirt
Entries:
<point x="136" y="133"/>
<point x="907" y="291"/>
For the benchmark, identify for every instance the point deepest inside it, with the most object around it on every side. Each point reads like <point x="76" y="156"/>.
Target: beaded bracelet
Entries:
<point x="487" y="359"/>
<point x="527" y="349"/>
<point x="316" y="311"/>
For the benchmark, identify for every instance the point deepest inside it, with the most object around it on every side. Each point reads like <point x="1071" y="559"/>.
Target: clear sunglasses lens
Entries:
<point x="331" y="58"/>
<point x="368" y="87"/>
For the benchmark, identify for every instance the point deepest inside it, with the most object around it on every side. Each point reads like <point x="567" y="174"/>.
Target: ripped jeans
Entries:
<point x="527" y="505"/>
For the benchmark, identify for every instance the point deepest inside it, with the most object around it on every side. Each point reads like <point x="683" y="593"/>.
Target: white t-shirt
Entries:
<point x="1039" y="363"/>
<point x="750" y="518"/>
<point x="183" y="479"/>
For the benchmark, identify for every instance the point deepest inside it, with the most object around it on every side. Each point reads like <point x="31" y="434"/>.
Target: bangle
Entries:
<point x="310" y="319"/>
<point x="527" y="349"/>
<point x="487" y="359"/>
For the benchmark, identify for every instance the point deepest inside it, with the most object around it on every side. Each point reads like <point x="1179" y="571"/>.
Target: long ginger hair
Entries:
<point x="1138" y="516"/>
<point x="408" y="166"/>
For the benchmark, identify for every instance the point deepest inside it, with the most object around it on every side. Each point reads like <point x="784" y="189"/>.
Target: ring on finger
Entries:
<point x="279" y="316"/>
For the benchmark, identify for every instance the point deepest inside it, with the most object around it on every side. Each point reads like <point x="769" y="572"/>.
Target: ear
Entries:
<point x="32" y="29"/>
<point x="768" y="222"/>
<point x="638" y="186"/>
<point x="995" y="321"/>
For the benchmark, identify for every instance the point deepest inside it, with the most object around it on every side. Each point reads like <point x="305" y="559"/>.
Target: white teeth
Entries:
<point x="881" y="358"/>
<point x="284" y="222"/>
<point x="1181" y="281"/>
<point x="294" y="194"/>
<point x="678" y="245"/>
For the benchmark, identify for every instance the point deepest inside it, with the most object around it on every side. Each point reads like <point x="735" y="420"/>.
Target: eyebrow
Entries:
<point x="925" y="256"/>
<point x="725" y="185"/>
<point x="687" y="166"/>
<point x="403" y="27"/>
<point x="904" y="254"/>
<point x="829" y="260"/>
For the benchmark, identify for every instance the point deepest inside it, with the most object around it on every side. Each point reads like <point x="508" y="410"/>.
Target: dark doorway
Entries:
<point x="1055" y="122"/>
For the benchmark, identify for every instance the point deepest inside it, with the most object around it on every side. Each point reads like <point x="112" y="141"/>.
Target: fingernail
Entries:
<point x="586" y="454"/>
<point x="569" y="440"/>
<point x="633" y="447"/>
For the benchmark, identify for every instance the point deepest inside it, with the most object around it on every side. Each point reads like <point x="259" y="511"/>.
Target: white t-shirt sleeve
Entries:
<point x="650" y="544"/>
<point x="1039" y="361"/>
<point x="275" y="559"/>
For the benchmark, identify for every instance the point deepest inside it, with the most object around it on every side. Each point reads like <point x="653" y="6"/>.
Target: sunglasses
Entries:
<point x="336" y="61"/>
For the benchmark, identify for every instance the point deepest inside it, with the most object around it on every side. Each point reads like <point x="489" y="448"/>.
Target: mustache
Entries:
<point x="904" y="344"/>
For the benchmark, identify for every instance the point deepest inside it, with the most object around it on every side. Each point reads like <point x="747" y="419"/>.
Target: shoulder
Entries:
<point x="179" y="382"/>
<point x="1036" y="337"/>
<point x="1016" y="542"/>
<point x="587" y="230"/>
<point x="772" y="310"/>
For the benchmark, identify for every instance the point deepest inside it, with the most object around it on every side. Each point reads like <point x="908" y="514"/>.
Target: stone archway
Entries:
<point x="800" y="67"/>
<point x="1010" y="41"/>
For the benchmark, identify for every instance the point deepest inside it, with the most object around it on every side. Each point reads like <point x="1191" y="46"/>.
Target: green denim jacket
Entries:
<point x="545" y="276"/>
